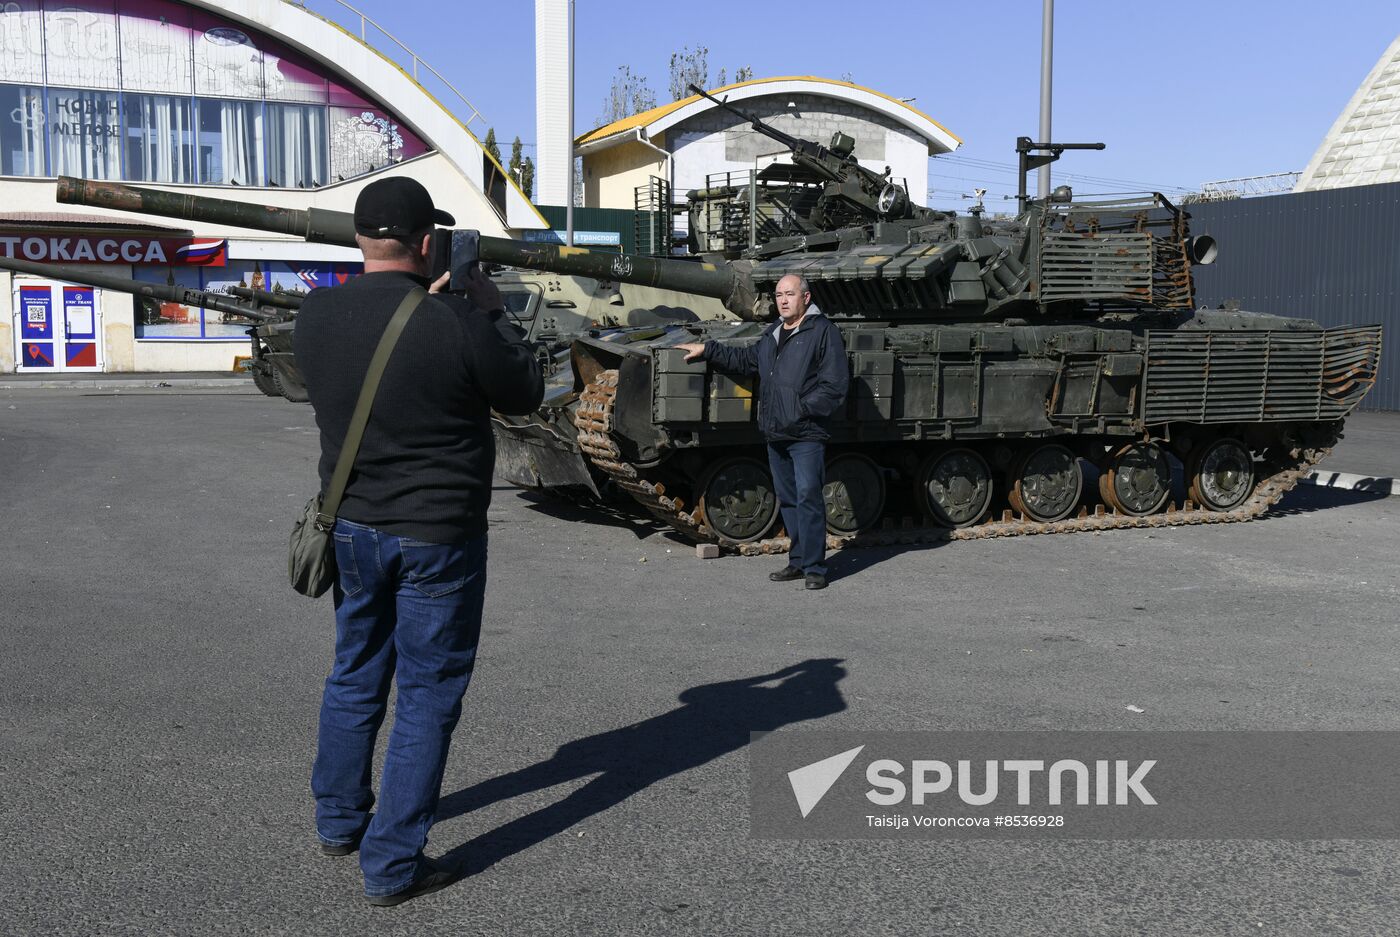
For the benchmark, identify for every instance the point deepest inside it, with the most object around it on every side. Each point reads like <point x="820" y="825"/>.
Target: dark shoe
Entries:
<point x="786" y="574"/>
<point x="431" y="877"/>
<point x="341" y="849"/>
<point x="816" y="581"/>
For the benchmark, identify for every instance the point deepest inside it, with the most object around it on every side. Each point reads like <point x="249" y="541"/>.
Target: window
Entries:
<point x="160" y="91"/>
<point x="84" y="133"/>
<point x="159" y="138"/>
<point x="21" y="130"/>
<point x="296" y="146"/>
<point x="230" y="142"/>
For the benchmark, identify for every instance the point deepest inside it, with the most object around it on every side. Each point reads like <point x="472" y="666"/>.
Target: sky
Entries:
<point x="1181" y="93"/>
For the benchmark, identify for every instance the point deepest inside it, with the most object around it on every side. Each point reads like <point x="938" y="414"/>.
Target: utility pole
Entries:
<point x="569" y="203"/>
<point x="1047" y="44"/>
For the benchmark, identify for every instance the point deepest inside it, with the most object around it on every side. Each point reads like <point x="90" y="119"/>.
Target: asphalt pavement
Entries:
<point x="159" y="687"/>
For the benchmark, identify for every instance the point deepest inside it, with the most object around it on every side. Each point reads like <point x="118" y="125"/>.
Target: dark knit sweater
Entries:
<point x="424" y="467"/>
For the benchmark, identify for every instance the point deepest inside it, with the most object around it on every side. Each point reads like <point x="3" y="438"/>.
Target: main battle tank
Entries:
<point x="990" y="361"/>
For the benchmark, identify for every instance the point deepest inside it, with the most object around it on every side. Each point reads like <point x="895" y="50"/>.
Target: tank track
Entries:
<point x="593" y="420"/>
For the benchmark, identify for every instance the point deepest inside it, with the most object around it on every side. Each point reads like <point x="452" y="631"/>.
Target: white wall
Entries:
<point x="552" y="102"/>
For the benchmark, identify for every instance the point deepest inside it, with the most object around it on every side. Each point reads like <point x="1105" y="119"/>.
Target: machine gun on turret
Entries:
<point x="852" y="194"/>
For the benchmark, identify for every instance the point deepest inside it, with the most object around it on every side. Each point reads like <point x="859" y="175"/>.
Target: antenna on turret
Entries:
<point x="1047" y="153"/>
<point x="977" y="207"/>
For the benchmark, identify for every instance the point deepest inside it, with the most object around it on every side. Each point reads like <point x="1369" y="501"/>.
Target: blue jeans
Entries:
<point x="799" y="471"/>
<point x="409" y="610"/>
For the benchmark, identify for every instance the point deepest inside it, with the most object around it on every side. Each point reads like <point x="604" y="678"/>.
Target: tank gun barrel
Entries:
<point x="723" y="282"/>
<point x="720" y="281"/>
<point x="175" y="294"/>
<point x="264" y="298"/>
<point x="316" y="224"/>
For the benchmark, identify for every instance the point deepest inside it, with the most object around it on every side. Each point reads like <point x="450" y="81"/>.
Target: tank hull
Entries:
<point x="961" y="431"/>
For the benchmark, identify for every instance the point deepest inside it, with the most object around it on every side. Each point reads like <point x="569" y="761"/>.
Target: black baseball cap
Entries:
<point x="396" y="207"/>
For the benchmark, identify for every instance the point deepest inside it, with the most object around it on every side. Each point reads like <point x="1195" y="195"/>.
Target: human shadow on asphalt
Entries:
<point x="712" y="720"/>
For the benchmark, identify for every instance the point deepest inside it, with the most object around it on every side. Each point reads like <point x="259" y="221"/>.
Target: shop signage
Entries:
<point x="41" y="247"/>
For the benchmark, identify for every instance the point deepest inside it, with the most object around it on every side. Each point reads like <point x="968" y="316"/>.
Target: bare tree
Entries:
<point x="628" y="95"/>
<point x="689" y="68"/>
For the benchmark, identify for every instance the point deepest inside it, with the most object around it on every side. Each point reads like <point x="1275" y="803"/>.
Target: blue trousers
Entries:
<point x="410" y="611"/>
<point x="799" y="471"/>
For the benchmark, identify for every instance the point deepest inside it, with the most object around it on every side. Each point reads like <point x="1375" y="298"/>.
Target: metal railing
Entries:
<point x="415" y="64"/>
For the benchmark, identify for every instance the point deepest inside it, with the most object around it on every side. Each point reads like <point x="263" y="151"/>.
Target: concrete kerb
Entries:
<point x="1383" y="485"/>
<point x="133" y="382"/>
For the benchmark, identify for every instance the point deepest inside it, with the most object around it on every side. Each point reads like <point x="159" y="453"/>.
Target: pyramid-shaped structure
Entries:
<point x="1363" y="146"/>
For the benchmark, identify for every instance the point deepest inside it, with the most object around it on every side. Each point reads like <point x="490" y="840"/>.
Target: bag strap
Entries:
<point x="330" y="504"/>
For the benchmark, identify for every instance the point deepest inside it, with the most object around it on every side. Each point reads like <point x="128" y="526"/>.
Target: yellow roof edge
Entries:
<point x="656" y="113"/>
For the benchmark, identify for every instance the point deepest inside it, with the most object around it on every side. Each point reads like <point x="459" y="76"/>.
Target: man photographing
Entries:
<point x="801" y="367"/>
<point x="410" y="534"/>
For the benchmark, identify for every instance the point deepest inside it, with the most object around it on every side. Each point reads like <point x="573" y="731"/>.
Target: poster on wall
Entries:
<point x="157" y="318"/>
<point x="157" y="48"/>
<point x="78" y="318"/>
<point x="274" y="276"/>
<point x="227" y="63"/>
<point x="21" y="41"/>
<point x="36" y="327"/>
<point x="81" y="37"/>
<point x="37" y="305"/>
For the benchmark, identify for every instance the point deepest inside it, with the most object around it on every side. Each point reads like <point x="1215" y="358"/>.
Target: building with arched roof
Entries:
<point x="1363" y="146"/>
<point x="686" y="141"/>
<point x="248" y="99"/>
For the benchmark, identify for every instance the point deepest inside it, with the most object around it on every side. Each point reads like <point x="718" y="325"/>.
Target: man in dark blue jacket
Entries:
<point x="802" y="372"/>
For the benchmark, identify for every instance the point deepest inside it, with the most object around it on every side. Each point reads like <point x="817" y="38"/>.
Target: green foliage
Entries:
<point x="515" y="156"/>
<point x="527" y="177"/>
<point x="490" y="144"/>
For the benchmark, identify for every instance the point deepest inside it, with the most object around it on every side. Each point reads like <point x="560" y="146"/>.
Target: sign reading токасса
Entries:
<point x="53" y="248"/>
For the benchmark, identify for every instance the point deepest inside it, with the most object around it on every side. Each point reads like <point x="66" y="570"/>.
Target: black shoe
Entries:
<point x="341" y="849"/>
<point x="431" y="877"/>
<point x="816" y="581"/>
<point x="786" y="574"/>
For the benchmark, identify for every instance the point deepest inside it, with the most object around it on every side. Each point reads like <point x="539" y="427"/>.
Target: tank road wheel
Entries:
<point x="955" y="487"/>
<point x="737" y="500"/>
<point x="854" y="494"/>
<point x="1046" y="483"/>
<point x="1221" y="474"/>
<point x="1138" y="480"/>
<point x="266" y="383"/>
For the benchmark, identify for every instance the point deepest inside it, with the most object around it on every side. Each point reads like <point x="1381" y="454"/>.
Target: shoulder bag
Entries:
<point x="311" y="553"/>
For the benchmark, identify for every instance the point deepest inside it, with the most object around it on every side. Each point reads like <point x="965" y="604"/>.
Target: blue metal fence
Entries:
<point x="1332" y="256"/>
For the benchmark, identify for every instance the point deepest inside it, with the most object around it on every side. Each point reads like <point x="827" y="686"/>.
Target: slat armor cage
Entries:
<point x="1227" y="377"/>
<point x="1128" y="251"/>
